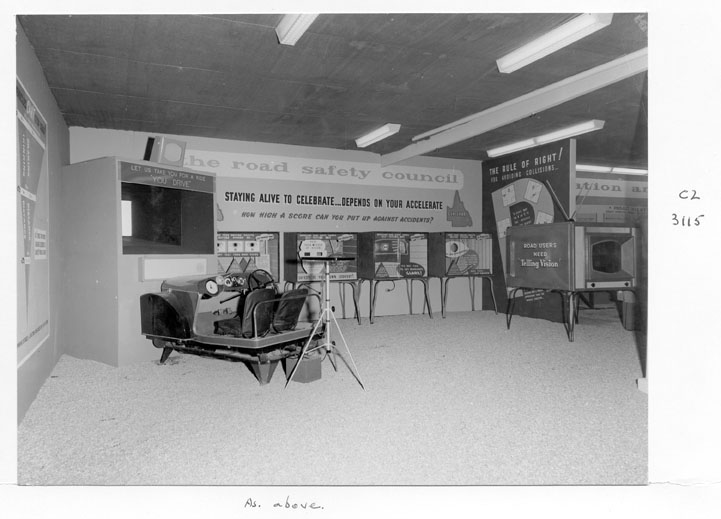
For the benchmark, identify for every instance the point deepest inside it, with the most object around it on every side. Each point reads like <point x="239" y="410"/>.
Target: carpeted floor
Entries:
<point x="454" y="401"/>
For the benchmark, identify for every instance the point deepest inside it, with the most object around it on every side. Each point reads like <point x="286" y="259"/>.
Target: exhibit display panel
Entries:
<point x="300" y="248"/>
<point x="454" y="254"/>
<point x="570" y="259"/>
<point x="244" y="252"/>
<point x="529" y="187"/>
<point x="115" y="213"/>
<point x="466" y="255"/>
<point x="572" y="256"/>
<point x="388" y="255"/>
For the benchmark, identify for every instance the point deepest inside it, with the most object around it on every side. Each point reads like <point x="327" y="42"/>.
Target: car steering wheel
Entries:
<point x="260" y="278"/>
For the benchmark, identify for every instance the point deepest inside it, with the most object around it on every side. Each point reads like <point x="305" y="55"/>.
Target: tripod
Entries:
<point x="325" y="318"/>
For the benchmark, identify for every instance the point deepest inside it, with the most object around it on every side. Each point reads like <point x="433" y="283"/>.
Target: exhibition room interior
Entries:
<point x="345" y="249"/>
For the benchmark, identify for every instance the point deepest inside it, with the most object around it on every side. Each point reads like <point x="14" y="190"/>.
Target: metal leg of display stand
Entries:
<point x="571" y="300"/>
<point x="444" y="293"/>
<point x="471" y="289"/>
<point x="493" y="295"/>
<point x="372" y="300"/>
<point x="427" y="297"/>
<point x="357" y="294"/>
<point x="510" y="306"/>
<point x="373" y="296"/>
<point x="329" y="345"/>
<point x="341" y="294"/>
<point x="426" y="300"/>
<point x="569" y="304"/>
<point x="409" y="295"/>
<point x="355" y="287"/>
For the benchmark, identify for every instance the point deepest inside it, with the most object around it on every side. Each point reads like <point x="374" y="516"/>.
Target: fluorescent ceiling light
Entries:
<point x="521" y="107"/>
<point x="571" y="31"/>
<point x="610" y="169"/>
<point x="292" y="26"/>
<point x="629" y="171"/>
<point x="593" y="169"/>
<point x="570" y="131"/>
<point x="563" y="133"/>
<point x="376" y="135"/>
<point x="508" y="148"/>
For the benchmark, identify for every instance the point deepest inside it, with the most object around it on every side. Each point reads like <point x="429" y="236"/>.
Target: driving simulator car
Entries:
<point x="254" y="324"/>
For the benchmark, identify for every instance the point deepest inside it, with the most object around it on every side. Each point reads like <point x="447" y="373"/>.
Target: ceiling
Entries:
<point x="226" y="76"/>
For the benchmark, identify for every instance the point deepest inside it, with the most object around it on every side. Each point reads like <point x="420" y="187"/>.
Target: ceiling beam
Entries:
<point x="524" y="106"/>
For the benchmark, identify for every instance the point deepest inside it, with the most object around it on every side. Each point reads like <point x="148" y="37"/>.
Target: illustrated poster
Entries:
<point x="527" y="187"/>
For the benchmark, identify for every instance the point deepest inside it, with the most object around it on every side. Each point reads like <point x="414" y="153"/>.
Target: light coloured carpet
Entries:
<point x="454" y="401"/>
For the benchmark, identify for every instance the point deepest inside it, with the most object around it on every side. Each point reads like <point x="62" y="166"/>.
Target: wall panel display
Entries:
<point x="300" y="248"/>
<point x="33" y="274"/>
<point x="302" y="194"/>
<point x="611" y="198"/>
<point x="387" y="255"/>
<point x="244" y="252"/>
<point x="453" y="254"/>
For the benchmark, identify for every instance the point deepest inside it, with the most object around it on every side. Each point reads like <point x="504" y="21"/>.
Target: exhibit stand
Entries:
<point x="409" y="292"/>
<point x="570" y="300"/>
<point x="385" y="256"/>
<point x="571" y="259"/>
<point x="471" y="289"/>
<point x="461" y="255"/>
<point x="127" y="226"/>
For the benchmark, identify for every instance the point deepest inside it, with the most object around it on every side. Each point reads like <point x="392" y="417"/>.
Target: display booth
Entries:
<point x="128" y="225"/>
<point x="461" y="255"/>
<point x="394" y="256"/>
<point x="562" y="235"/>
<point x="571" y="259"/>
<point x="133" y="224"/>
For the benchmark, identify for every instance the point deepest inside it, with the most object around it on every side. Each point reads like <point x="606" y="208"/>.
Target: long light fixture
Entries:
<point x="377" y="135"/>
<point x="521" y="107"/>
<point x="610" y="169"/>
<point x="590" y="168"/>
<point x="292" y="26"/>
<point x="571" y="31"/>
<point x="563" y="133"/>
<point x="629" y="171"/>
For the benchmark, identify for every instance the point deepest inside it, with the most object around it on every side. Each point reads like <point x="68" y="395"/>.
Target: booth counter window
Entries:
<point x="161" y="220"/>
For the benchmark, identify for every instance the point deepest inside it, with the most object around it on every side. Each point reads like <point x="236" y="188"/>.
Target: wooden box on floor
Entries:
<point x="308" y="371"/>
